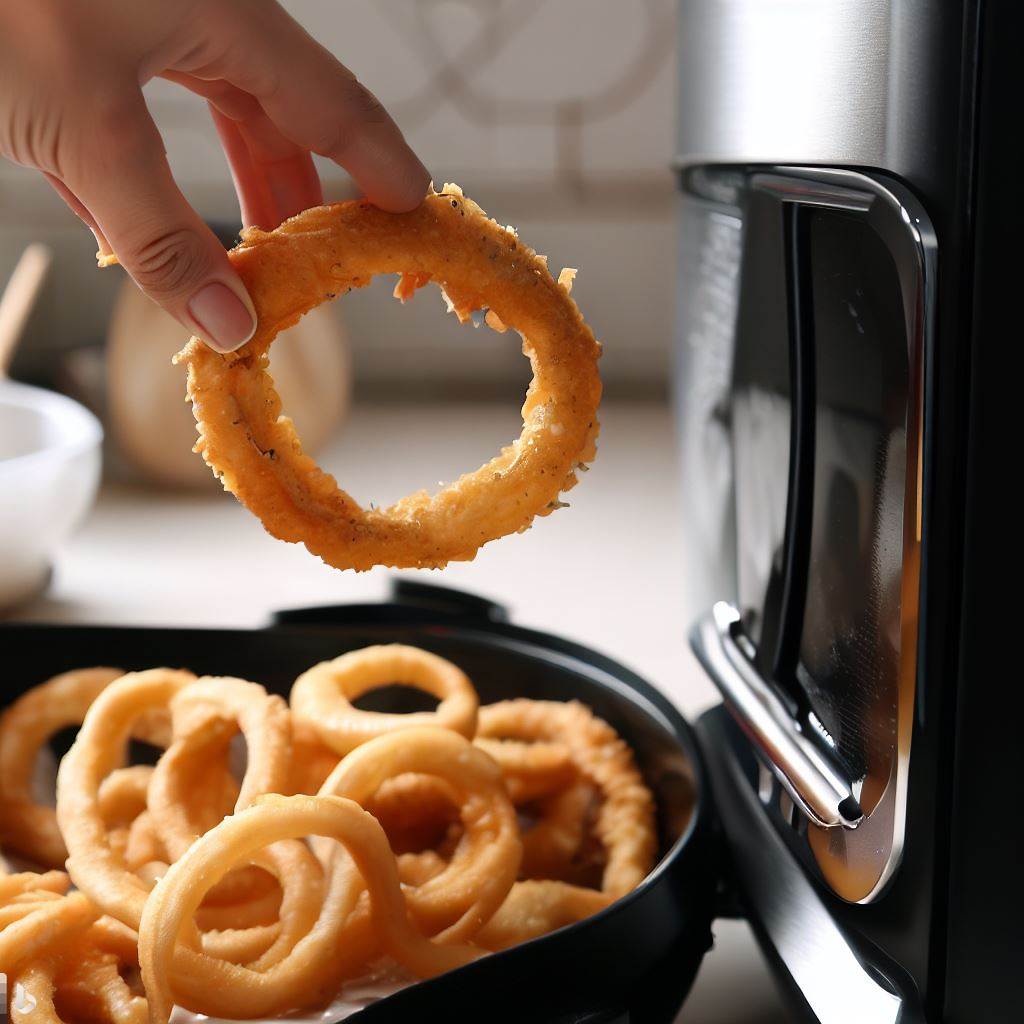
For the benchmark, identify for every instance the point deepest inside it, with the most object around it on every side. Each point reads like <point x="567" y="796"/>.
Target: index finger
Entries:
<point x="313" y="99"/>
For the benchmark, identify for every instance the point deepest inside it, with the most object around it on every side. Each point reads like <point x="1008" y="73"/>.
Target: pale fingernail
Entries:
<point x="224" y="321"/>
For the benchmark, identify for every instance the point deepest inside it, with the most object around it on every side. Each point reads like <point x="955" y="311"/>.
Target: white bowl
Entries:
<point x="49" y="472"/>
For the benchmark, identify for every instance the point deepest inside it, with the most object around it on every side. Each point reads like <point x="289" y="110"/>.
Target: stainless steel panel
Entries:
<point x="844" y="82"/>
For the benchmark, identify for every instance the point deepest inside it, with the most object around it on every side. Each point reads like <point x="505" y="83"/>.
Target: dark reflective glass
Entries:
<point x="850" y="645"/>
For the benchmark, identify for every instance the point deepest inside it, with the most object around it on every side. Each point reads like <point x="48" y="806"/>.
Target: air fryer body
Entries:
<point x="835" y="246"/>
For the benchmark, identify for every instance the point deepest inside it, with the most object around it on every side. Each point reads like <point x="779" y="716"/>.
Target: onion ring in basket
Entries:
<point x="122" y="795"/>
<point x="625" y="819"/>
<point x="534" y="908"/>
<point x="25" y="826"/>
<point x="321" y="697"/>
<point x="82" y="976"/>
<point x="329" y="250"/>
<point x="531" y="770"/>
<point x="560" y="845"/>
<point x="34" y="985"/>
<point x="453" y="905"/>
<point x="207" y="713"/>
<point x="93" y="865"/>
<point x="416" y="811"/>
<point x="168" y="965"/>
<point x="312" y="760"/>
<point x="50" y="922"/>
<point x="204" y="717"/>
<point x="27" y="882"/>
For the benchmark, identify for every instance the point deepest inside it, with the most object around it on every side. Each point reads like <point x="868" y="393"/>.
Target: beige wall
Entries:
<point x="556" y="116"/>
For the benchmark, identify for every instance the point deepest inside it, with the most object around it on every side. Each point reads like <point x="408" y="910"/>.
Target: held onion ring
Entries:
<point x="321" y="697"/>
<point x="329" y="250"/>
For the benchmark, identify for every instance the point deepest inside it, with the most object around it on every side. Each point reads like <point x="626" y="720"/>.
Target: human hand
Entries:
<point x="71" y="106"/>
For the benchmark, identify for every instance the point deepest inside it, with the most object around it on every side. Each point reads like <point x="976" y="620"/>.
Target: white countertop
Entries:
<point x="606" y="572"/>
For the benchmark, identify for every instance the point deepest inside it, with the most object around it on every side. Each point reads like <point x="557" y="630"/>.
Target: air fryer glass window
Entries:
<point x="849" y="655"/>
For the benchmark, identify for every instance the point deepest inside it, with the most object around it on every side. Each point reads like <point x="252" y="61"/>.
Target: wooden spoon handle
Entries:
<point x="19" y="298"/>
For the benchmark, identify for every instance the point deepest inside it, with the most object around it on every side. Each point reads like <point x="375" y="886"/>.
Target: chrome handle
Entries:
<point x="814" y="784"/>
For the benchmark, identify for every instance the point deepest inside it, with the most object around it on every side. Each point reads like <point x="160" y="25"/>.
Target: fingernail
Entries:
<point x="224" y="321"/>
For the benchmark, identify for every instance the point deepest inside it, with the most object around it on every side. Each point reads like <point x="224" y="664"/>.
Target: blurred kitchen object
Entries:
<point x="49" y="451"/>
<point x="19" y="298"/>
<point x="151" y="425"/>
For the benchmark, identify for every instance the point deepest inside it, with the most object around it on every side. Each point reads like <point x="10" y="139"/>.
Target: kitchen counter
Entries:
<point x="605" y="572"/>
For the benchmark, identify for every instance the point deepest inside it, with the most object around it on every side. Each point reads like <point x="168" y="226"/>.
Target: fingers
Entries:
<point x="78" y="209"/>
<point x="274" y="178"/>
<point x="312" y="99"/>
<point x="125" y="186"/>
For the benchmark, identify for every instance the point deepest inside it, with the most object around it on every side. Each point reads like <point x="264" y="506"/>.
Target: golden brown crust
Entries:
<point x="326" y="252"/>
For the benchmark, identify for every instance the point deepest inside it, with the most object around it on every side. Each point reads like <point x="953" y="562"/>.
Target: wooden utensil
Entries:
<point x="19" y="299"/>
<point x="152" y="424"/>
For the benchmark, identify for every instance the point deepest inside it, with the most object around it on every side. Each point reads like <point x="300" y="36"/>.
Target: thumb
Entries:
<point x="124" y="180"/>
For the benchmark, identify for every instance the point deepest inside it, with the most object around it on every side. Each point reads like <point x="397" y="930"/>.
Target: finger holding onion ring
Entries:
<point x="329" y="250"/>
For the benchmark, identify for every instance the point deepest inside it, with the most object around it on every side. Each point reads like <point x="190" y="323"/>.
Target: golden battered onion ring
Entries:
<point x="169" y="967"/>
<point x="328" y="251"/>
<point x="625" y="821"/>
<point x="531" y="770"/>
<point x="416" y="811"/>
<point x="122" y="794"/>
<point x="534" y="908"/>
<point x="312" y="761"/>
<point x="557" y="846"/>
<point x="34" y="985"/>
<point x="13" y="886"/>
<point x="322" y="696"/>
<point x="205" y="715"/>
<point x="456" y="903"/>
<point x="89" y="985"/>
<point x="200" y="714"/>
<point x="419" y="868"/>
<point x="50" y="922"/>
<point x="82" y="977"/>
<point x="92" y="863"/>
<point x="26" y="827"/>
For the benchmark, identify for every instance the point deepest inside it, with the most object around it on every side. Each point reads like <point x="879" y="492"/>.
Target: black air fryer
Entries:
<point x="847" y="173"/>
<point x="847" y="170"/>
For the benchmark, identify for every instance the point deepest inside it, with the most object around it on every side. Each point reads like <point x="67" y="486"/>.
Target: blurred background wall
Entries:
<point x="556" y="117"/>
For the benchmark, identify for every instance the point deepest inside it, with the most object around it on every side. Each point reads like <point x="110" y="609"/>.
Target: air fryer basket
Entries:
<point x="639" y="956"/>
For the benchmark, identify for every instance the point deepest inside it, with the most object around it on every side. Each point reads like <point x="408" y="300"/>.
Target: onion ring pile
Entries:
<point x="431" y="839"/>
<point x="329" y="250"/>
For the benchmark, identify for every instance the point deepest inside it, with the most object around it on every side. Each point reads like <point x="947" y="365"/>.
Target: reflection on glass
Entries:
<point x="850" y="645"/>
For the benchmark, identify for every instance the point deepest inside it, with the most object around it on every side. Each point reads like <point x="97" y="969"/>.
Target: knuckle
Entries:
<point x="169" y="265"/>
